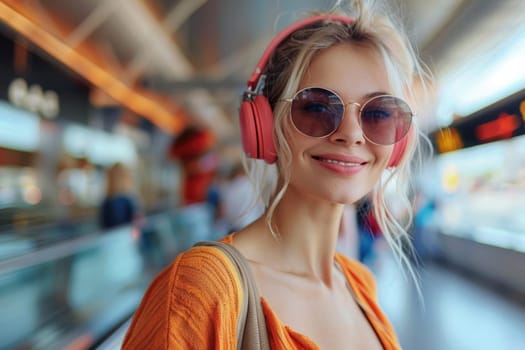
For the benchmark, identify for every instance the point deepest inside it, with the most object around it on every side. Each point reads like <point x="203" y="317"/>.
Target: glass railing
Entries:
<point x="76" y="292"/>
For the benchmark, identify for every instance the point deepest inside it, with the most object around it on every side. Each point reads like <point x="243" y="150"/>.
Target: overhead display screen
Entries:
<point x="502" y="120"/>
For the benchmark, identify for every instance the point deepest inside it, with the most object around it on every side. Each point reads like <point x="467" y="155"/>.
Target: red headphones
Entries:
<point x="256" y="116"/>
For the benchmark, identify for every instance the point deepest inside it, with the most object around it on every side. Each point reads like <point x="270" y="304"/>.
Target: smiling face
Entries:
<point x="343" y="166"/>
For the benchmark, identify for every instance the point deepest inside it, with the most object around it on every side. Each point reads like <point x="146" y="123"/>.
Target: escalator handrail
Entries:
<point x="63" y="249"/>
<point x="50" y="253"/>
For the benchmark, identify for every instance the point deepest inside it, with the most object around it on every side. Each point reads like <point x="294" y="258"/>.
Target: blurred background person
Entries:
<point x="194" y="149"/>
<point x="120" y="205"/>
<point x="368" y="230"/>
<point x="238" y="200"/>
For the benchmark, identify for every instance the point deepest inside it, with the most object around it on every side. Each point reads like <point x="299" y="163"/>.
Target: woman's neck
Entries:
<point x="306" y="238"/>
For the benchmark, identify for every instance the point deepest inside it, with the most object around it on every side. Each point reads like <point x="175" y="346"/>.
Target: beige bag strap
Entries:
<point x="251" y="328"/>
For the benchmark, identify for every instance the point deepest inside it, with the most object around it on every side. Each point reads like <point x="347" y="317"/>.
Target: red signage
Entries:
<point x="501" y="128"/>
<point x="500" y="121"/>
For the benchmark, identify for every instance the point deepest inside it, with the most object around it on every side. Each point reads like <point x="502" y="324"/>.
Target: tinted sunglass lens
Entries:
<point x="385" y="119"/>
<point x="316" y="112"/>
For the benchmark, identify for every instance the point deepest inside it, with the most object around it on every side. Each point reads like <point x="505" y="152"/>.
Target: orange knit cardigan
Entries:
<point x="194" y="304"/>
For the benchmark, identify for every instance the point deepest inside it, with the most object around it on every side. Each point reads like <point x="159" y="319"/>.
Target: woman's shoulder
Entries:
<point x="361" y="276"/>
<point x="195" y="295"/>
<point x="206" y="261"/>
<point x="204" y="273"/>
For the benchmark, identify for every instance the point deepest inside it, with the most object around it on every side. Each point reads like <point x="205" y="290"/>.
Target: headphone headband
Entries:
<point x="254" y="78"/>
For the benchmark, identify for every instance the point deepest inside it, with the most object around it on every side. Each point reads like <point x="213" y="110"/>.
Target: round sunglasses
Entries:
<point x="318" y="112"/>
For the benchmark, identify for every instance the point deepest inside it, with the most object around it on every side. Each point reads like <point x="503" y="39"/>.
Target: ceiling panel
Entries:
<point x="199" y="53"/>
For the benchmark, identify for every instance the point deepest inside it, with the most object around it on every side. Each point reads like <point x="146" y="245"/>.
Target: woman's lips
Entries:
<point x="341" y="164"/>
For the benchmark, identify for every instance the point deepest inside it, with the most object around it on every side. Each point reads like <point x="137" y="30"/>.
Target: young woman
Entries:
<point x="325" y="109"/>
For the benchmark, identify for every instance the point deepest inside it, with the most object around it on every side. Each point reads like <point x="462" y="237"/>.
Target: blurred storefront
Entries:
<point x="56" y="141"/>
<point x="477" y="184"/>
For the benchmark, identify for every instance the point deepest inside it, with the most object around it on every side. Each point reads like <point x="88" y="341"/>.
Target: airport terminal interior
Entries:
<point x="138" y="100"/>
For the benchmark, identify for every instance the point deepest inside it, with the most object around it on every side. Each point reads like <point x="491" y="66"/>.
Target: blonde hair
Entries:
<point x="284" y="72"/>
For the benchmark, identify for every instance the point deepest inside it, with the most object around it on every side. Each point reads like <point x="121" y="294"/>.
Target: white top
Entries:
<point x="239" y="204"/>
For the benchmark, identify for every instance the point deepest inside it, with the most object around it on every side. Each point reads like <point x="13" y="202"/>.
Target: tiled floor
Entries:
<point x="458" y="311"/>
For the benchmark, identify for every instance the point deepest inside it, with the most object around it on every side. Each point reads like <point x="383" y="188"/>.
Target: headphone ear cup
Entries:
<point x="248" y="130"/>
<point x="256" y="123"/>
<point x="400" y="148"/>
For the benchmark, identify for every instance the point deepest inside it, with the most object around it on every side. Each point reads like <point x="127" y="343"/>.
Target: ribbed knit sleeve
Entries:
<point x="192" y="304"/>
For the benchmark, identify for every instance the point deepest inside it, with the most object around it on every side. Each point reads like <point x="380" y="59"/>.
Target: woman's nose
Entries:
<point x="349" y="131"/>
